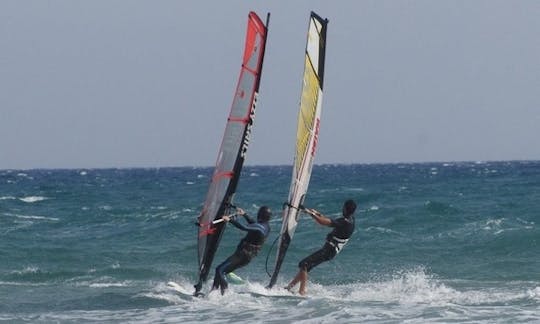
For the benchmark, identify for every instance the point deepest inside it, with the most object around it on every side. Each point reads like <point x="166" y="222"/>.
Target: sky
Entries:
<point x="97" y="84"/>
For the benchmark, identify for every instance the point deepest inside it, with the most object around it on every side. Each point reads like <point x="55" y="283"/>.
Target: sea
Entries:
<point x="454" y="242"/>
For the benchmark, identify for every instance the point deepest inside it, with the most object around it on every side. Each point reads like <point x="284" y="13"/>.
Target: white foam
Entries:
<point x="30" y="217"/>
<point x="409" y="296"/>
<point x="32" y="199"/>
<point x="381" y="230"/>
<point x="26" y="270"/>
<point x="169" y="297"/>
<point x="491" y="223"/>
<point x="534" y="293"/>
<point x="109" y="284"/>
<point x="418" y="288"/>
<point x="37" y="217"/>
<point x="14" y="283"/>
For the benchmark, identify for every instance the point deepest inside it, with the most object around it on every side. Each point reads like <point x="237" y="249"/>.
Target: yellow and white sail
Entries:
<point x="307" y="134"/>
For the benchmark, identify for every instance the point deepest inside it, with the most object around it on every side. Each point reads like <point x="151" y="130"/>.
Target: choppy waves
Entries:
<point x="412" y="296"/>
<point x="454" y="242"/>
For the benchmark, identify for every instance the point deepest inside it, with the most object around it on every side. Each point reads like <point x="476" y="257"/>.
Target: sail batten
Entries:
<point x="307" y="134"/>
<point x="233" y="147"/>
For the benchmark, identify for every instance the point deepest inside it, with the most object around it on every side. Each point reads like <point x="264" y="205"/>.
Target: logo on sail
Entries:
<point x="315" y="137"/>
<point x="247" y="138"/>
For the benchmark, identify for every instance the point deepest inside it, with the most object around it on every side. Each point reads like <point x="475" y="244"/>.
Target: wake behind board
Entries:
<point x="187" y="294"/>
<point x="277" y="295"/>
<point x="180" y="290"/>
<point x="232" y="278"/>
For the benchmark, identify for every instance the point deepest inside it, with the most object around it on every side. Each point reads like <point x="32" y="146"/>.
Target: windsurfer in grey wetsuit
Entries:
<point x="249" y="246"/>
<point x="335" y="240"/>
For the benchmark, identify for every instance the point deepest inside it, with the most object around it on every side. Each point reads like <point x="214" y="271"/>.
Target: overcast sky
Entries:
<point x="150" y="83"/>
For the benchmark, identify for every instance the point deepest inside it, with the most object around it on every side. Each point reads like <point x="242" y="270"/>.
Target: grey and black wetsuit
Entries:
<point x="246" y="250"/>
<point x="335" y="240"/>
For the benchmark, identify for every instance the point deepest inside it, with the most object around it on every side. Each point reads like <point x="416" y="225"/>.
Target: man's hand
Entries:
<point x="240" y="211"/>
<point x="226" y="218"/>
<point x="312" y="212"/>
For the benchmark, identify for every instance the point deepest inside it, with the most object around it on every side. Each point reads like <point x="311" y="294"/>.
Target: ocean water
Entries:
<point x="435" y="242"/>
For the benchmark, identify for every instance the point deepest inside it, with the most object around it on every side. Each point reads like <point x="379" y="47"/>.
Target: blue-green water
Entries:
<point x="435" y="242"/>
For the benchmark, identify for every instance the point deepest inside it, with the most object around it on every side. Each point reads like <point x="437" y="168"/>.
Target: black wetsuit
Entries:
<point x="246" y="250"/>
<point x="335" y="240"/>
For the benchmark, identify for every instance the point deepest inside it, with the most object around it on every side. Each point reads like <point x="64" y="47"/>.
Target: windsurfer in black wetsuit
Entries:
<point x="248" y="247"/>
<point x="335" y="240"/>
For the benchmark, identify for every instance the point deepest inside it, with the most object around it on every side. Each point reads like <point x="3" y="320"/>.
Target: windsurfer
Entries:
<point x="335" y="240"/>
<point x="249" y="246"/>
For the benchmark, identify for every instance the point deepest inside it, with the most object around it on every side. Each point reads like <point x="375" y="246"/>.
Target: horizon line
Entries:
<point x="268" y="165"/>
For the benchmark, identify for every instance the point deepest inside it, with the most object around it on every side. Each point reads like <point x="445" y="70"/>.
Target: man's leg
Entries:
<point x="308" y="263"/>
<point x="295" y="280"/>
<point x="303" y="282"/>
<point x="235" y="261"/>
<point x="219" y="278"/>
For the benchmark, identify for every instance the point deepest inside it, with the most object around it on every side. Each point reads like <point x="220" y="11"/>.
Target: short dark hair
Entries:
<point x="350" y="207"/>
<point x="264" y="214"/>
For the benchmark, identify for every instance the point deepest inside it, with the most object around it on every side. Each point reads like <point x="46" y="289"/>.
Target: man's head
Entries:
<point x="349" y="207"/>
<point x="264" y="214"/>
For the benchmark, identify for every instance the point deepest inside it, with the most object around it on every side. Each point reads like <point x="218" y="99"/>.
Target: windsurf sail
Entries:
<point x="307" y="134"/>
<point x="233" y="148"/>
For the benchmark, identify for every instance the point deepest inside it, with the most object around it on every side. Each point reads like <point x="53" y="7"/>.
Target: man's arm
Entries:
<point x="255" y="227"/>
<point x="248" y="219"/>
<point x="318" y="217"/>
